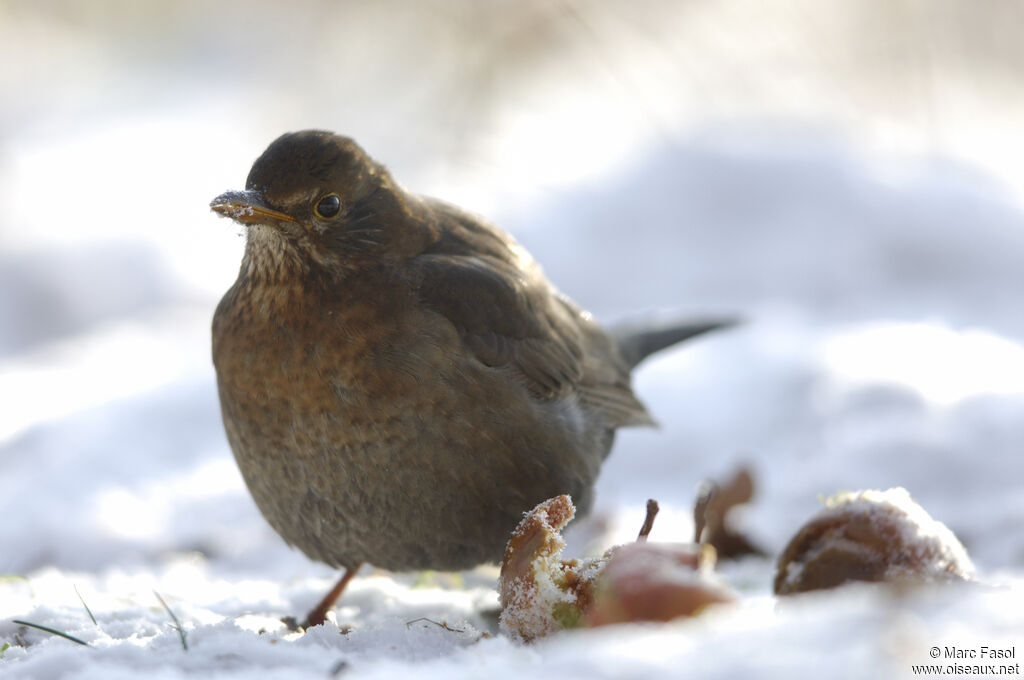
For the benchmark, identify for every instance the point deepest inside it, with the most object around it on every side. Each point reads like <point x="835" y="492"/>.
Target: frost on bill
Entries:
<point x="237" y="211"/>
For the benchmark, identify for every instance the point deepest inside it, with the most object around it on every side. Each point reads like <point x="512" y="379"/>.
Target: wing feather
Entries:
<point x="508" y="315"/>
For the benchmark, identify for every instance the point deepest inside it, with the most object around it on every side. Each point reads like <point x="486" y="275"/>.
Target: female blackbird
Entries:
<point x="398" y="380"/>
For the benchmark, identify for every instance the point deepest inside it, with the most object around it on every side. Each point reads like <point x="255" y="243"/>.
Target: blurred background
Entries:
<point x="847" y="177"/>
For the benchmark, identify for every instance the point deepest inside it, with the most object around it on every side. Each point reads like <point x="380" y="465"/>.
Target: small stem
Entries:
<point x="652" y="512"/>
<point x="702" y="510"/>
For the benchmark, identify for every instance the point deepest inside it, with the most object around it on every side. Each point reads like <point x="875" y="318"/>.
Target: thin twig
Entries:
<point x="440" y="624"/>
<point x="47" y="629"/>
<point x="87" y="610"/>
<point x="652" y="512"/>
<point x="177" y="623"/>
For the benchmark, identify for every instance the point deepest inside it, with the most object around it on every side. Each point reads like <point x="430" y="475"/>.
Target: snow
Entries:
<point x="714" y="161"/>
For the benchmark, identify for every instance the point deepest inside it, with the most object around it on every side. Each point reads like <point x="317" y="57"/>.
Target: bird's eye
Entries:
<point x="328" y="206"/>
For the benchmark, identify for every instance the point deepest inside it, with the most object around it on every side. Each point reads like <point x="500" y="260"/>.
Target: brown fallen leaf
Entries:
<point x="711" y="511"/>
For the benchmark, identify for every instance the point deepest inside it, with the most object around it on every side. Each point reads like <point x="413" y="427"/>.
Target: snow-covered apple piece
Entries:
<point x="870" y="536"/>
<point x="542" y="593"/>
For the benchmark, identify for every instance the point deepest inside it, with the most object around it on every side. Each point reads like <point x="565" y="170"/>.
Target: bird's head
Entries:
<point x="316" y="199"/>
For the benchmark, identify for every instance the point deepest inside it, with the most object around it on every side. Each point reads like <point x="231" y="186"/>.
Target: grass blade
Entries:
<point x="87" y="610"/>
<point x="177" y="623"/>
<point x="47" y="629"/>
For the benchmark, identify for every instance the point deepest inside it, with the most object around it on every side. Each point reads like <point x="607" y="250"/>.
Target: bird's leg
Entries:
<point x="319" y="613"/>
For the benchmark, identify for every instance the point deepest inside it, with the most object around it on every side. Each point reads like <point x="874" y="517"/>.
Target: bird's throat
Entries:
<point x="272" y="257"/>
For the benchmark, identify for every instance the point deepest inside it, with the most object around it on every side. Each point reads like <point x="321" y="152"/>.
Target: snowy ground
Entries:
<point x="883" y="343"/>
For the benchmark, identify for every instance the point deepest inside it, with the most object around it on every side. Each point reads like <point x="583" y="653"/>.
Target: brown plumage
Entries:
<point x="398" y="380"/>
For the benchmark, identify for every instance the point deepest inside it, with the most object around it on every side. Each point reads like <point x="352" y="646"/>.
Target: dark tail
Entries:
<point x="637" y="341"/>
